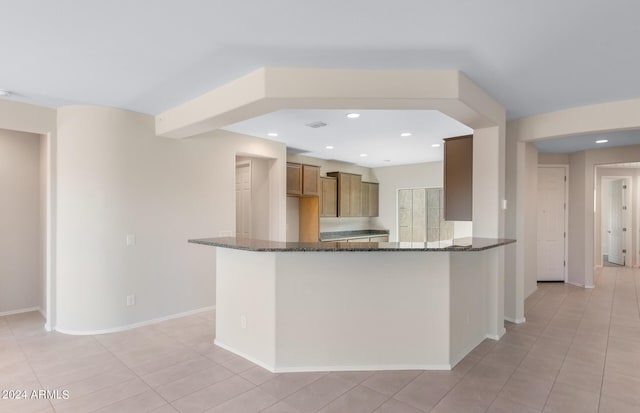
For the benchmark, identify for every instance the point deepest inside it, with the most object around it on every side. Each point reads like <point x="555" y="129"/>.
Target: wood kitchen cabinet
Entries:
<point x="311" y="180"/>
<point x="303" y="180"/>
<point x="458" y="178"/>
<point x="349" y="194"/>
<point x="329" y="197"/>
<point x="370" y="202"/>
<point x="294" y="179"/>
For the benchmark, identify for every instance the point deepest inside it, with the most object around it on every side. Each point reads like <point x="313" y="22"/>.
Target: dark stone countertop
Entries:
<point x="250" y="244"/>
<point x="360" y="233"/>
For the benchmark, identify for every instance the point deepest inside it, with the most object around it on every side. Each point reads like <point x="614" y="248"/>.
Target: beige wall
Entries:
<point x="553" y="159"/>
<point x="116" y="177"/>
<point x="21" y="238"/>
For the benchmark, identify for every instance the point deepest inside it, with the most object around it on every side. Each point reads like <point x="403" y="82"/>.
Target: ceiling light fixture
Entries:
<point x="363" y="155"/>
<point x="328" y="147"/>
<point x="387" y="160"/>
<point x="602" y="141"/>
<point x="5" y="93"/>
<point x="435" y="145"/>
<point x="353" y="115"/>
<point x="405" y="134"/>
<point x="272" y="134"/>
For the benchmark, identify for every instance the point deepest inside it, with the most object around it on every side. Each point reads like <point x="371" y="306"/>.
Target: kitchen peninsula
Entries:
<point x="327" y="306"/>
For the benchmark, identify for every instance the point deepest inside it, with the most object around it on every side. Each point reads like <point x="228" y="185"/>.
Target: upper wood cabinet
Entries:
<point x="458" y="178"/>
<point x="349" y="194"/>
<point x="311" y="180"/>
<point x="329" y="197"/>
<point x="294" y="179"/>
<point x="303" y="179"/>
<point x="370" y="203"/>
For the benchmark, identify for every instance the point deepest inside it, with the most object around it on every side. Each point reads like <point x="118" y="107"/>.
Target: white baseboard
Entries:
<point x="497" y="336"/>
<point x="20" y="311"/>
<point x="302" y="369"/>
<point x="589" y="286"/>
<point x="134" y="325"/>
<point x="515" y="320"/>
<point x="576" y="284"/>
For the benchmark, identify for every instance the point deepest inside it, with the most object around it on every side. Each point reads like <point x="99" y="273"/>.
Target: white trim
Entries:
<point x="515" y="320"/>
<point x="20" y="311"/>
<point x="302" y="369"/>
<point x="589" y="286"/>
<point x="244" y="356"/>
<point x="497" y="336"/>
<point x="134" y="325"/>
<point x="577" y="285"/>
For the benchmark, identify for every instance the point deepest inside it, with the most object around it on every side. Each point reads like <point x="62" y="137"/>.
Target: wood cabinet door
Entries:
<point x="294" y="179"/>
<point x="374" y="200"/>
<point x="310" y="180"/>
<point x="344" y="195"/>
<point x="366" y="189"/>
<point x="381" y="238"/>
<point x="355" y="196"/>
<point x="329" y="197"/>
<point x="458" y="178"/>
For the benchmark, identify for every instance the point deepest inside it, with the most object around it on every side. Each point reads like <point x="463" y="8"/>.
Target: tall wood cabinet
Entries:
<point x="458" y="178"/>
<point x="329" y="197"/>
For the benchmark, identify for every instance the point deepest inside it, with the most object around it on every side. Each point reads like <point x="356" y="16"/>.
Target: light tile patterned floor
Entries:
<point x="579" y="351"/>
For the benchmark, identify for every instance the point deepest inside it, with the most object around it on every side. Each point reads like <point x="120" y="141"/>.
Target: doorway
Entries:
<point x="253" y="197"/>
<point x="25" y="233"/>
<point x="552" y="223"/>
<point x="616" y="225"/>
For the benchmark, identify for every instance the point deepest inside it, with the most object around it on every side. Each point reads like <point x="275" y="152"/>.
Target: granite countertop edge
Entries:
<point x="482" y="244"/>
<point x="352" y="234"/>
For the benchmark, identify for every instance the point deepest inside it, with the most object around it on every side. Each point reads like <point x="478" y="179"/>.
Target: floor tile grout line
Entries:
<point x="26" y="358"/>
<point x="537" y="338"/>
<point x="606" y="350"/>
<point x="565" y="356"/>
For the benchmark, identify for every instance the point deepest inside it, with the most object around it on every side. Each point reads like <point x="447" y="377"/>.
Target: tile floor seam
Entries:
<point x="606" y="350"/>
<point x="525" y="356"/>
<point x="26" y="358"/>
<point x="555" y="380"/>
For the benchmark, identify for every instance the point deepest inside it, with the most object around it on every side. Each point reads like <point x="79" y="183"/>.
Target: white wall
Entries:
<point x="21" y="237"/>
<point x="115" y="177"/>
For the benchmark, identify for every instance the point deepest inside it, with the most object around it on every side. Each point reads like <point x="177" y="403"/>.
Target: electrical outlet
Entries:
<point x="131" y="300"/>
<point x="243" y="321"/>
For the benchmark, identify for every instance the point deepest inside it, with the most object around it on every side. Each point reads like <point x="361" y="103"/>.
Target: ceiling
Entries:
<point x="533" y="57"/>
<point x="585" y="142"/>
<point x="376" y="133"/>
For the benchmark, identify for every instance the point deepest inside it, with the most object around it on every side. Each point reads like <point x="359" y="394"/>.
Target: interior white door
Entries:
<point x="551" y="223"/>
<point x="243" y="200"/>
<point x="616" y="222"/>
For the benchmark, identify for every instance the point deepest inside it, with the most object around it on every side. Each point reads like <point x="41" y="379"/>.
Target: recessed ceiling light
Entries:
<point x="435" y="145"/>
<point x="363" y="155"/>
<point x="353" y="115"/>
<point x="273" y="134"/>
<point x="602" y="141"/>
<point x="5" y="93"/>
<point x="328" y="147"/>
<point x="405" y="134"/>
<point x="387" y="160"/>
